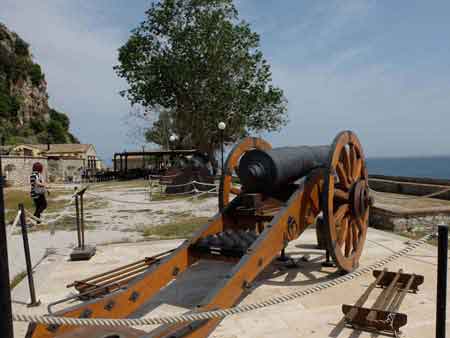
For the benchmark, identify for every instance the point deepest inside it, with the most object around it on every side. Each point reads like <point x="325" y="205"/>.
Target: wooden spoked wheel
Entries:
<point x="346" y="201"/>
<point x="227" y="188"/>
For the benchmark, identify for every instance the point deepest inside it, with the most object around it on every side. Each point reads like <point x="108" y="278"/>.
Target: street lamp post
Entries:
<point x="143" y="157"/>
<point x="221" y="127"/>
<point x="172" y="140"/>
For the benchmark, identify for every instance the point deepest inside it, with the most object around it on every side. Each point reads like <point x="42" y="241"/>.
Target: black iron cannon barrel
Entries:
<point x="268" y="170"/>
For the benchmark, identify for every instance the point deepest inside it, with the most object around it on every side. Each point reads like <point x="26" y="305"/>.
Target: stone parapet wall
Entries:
<point x="17" y="169"/>
<point x="408" y="222"/>
<point x="416" y="186"/>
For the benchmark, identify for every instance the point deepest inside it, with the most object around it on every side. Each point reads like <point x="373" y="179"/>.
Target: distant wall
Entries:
<point x="17" y="169"/>
<point x="65" y="169"/>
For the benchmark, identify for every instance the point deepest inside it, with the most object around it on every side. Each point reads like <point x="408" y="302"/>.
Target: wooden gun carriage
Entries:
<point x="282" y="191"/>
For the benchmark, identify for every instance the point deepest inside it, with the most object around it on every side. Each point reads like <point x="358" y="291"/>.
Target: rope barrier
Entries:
<point x="189" y="183"/>
<point x="221" y="313"/>
<point x="207" y="184"/>
<point x="212" y="191"/>
<point x="127" y="202"/>
<point x="195" y="190"/>
<point x="16" y="219"/>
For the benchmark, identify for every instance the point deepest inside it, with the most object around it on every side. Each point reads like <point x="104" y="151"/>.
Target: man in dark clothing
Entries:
<point x="38" y="190"/>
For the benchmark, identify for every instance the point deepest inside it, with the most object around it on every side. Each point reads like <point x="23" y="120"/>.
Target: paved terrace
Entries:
<point x="314" y="316"/>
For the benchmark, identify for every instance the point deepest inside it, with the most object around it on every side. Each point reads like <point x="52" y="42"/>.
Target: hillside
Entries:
<point x="25" y="116"/>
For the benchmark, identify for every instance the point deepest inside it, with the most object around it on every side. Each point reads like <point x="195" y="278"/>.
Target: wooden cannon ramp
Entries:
<point x="317" y="315"/>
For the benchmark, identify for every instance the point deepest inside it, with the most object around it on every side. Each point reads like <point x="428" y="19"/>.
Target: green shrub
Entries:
<point x="9" y="105"/>
<point x="61" y="118"/>
<point x="37" y="125"/>
<point x="6" y="60"/>
<point x="35" y="73"/>
<point x="21" y="47"/>
<point x="56" y="132"/>
<point x="5" y="104"/>
<point x="20" y="69"/>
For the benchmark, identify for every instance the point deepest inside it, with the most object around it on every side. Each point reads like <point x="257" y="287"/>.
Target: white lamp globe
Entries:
<point x="221" y="125"/>
<point x="173" y="138"/>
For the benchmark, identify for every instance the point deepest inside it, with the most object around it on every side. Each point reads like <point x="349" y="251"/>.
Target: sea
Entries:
<point x="431" y="167"/>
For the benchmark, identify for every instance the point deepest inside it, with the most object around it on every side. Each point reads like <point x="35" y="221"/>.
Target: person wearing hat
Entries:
<point x="38" y="189"/>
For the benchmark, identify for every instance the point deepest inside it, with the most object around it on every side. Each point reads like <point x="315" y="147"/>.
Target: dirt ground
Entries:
<point x="114" y="212"/>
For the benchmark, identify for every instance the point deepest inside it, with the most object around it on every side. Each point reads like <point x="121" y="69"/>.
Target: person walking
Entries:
<point x="38" y="190"/>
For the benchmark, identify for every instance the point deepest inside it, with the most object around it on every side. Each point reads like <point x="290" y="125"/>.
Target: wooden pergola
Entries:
<point x="123" y="157"/>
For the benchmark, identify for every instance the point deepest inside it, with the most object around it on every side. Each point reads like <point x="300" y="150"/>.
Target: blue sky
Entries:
<point x="380" y="68"/>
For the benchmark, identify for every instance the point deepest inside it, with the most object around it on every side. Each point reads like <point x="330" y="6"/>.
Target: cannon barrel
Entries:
<point x="269" y="170"/>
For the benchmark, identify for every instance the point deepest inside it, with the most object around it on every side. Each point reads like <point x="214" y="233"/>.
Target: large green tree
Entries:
<point x="193" y="64"/>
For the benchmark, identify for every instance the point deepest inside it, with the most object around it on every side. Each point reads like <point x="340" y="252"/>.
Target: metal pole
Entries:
<point x="26" y="247"/>
<point x="82" y="220"/>
<point x="6" y="326"/>
<point x="77" y="212"/>
<point x="221" y="148"/>
<point x="441" y="294"/>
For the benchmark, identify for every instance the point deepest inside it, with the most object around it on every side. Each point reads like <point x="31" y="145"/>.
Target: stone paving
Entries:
<point x="313" y="316"/>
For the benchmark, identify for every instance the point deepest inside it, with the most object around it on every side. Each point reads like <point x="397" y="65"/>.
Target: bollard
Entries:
<point x="6" y="326"/>
<point x="26" y="246"/>
<point x="441" y="292"/>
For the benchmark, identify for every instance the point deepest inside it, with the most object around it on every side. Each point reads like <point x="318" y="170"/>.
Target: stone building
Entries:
<point x="17" y="169"/>
<point x="62" y="162"/>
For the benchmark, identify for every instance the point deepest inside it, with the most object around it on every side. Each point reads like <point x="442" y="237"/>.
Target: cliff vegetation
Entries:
<point x="25" y="116"/>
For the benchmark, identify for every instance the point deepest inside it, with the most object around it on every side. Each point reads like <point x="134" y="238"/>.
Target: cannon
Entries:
<point x="188" y="174"/>
<point x="267" y="197"/>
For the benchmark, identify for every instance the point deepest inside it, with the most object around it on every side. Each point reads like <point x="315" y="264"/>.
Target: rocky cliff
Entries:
<point x="25" y="116"/>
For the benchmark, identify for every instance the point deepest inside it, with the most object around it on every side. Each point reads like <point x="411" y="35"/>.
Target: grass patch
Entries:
<point x="14" y="197"/>
<point x="179" y="229"/>
<point x="12" y="200"/>
<point x="17" y="279"/>
<point x="67" y="223"/>
<point x="95" y="204"/>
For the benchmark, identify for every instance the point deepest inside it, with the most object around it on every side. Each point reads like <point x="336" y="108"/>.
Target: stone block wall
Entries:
<point x="423" y="222"/>
<point x="65" y="170"/>
<point x="17" y="169"/>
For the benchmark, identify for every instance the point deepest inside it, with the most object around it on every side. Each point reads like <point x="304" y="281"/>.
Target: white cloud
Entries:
<point x="323" y="56"/>
<point x="333" y="83"/>
<point x="77" y="57"/>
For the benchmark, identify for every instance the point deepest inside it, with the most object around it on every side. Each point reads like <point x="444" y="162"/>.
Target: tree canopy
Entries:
<point x="192" y="63"/>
